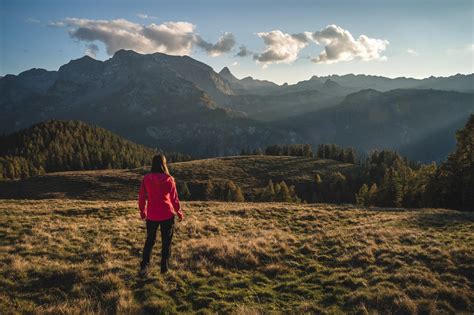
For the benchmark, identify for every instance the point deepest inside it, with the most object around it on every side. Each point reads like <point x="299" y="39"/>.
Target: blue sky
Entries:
<point x="285" y="38"/>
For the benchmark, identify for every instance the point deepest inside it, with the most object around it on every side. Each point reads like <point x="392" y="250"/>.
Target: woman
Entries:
<point x="158" y="202"/>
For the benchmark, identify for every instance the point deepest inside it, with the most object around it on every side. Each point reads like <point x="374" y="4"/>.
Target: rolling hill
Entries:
<point x="249" y="172"/>
<point x="67" y="145"/>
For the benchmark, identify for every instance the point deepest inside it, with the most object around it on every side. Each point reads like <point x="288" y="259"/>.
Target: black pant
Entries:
<point x="166" y="228"/>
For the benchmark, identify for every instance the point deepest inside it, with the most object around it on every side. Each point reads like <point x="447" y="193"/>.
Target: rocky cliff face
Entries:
<point x="159" y="100"/>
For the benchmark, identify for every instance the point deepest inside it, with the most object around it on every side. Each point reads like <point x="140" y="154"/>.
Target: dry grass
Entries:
<point x="69" y="256"/>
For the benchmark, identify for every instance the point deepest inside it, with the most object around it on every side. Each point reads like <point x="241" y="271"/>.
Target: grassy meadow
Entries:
<point x="75" y="256"/>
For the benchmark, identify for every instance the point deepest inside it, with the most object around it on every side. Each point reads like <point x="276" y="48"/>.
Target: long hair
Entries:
<point x="158" y="164"/>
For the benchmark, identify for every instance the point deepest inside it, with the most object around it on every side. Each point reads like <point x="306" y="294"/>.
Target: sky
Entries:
<point x="281" y="41"/>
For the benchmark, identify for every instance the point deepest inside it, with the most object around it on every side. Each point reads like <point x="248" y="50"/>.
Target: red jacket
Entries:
<point x="158" y="198"/>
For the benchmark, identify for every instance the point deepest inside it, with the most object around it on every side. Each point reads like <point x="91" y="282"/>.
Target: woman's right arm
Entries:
<point x="175" y="200"/>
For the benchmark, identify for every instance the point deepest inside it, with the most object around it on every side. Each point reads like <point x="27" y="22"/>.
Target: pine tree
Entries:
<point x="185" y="194"/>
<point x="284" y="193"/>
<point x="209" y="191"/>
<point x="453" y="184"/>
<point x="238" y="195"/>
<point x="318" y="189"/>
<point x="362" y="197"/>
<point x="293" y="196"/>
<point x="307" y="150"/>
<point x="372" y="195"/>
<point x="277" y="189"/>
<point x="269" y="192"/>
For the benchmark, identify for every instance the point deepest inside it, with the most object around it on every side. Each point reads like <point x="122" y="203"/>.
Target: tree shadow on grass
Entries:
<point x="442" y="220"/>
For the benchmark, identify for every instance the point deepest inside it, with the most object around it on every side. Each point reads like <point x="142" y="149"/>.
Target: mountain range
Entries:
<point x="177" y="103"/>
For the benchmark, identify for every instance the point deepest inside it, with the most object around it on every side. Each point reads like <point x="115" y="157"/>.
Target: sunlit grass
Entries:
<point x="70" y="256"/>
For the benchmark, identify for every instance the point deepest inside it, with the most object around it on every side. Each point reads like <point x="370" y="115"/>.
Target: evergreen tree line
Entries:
<point x="219" y="191"/>
<point x="70" y="145"/>
<point x="229" y="191"/>
<point x="392" y="181"/>
<point x="324" y="151"/>
<point x="282" y="150"/>
<point x="335" y="152"/>
<point x="384" y="178"/>
<point x="277" y="192"/>
<point x="334" y="187"/>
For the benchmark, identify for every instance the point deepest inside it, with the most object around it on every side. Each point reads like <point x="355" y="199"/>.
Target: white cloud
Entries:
<point x="32" y="20"/>
<point x="223" y="45"/>
<point x="411" y="52"/>
<point x="146" y="16"/>
<point x="175" y="38"/>
<point x="235" y="64"/>
<point x="469" y="48"/>
<point x="280" y="47"/>
<point x="340" y="45"/>
<point x="58" y="24"/>
<point x="91" y="50"/>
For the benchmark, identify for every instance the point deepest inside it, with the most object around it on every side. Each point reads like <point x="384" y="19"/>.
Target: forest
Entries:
<point x="387" y="179"/>
<point x="383" y="178"/>
<point x="57" y="145"/>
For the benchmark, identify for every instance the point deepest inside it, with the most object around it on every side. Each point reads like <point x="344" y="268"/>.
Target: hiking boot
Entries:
<point x="144" y="270"/>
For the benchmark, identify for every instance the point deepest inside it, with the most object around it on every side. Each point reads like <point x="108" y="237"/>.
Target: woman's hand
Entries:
<point x="143" y="215"/>
<point x="180" y="215"/>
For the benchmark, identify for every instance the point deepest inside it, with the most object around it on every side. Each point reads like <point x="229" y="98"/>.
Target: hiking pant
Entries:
<point x="166" y="228"/>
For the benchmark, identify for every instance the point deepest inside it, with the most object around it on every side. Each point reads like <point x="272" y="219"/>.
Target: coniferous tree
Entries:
<point x="238" y="195"/>
<point x="362" y="197"/>
<point x="209" y="193"/>
<point x="268" y="193"/>
<point x="185" y="194"/>
<point x="372" y="195"/>
<point x="284" y="193"/>
<point x="293" y="196"/>
<point x="70" y="145"/>
<point x="318" y="189"/>
<point x="452" y="185"/>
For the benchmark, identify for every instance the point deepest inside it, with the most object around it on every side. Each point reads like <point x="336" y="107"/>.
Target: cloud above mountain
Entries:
<point x="91" y="50"/>
<point x="280" y="47"/>
<point x="223" y="45"/>
<point x="180" y="38"/>
<point x="174" y="38"/>
<point x="340" y="45"/>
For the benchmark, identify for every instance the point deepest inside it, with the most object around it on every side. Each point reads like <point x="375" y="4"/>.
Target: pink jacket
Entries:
<point x="158" y="198"/>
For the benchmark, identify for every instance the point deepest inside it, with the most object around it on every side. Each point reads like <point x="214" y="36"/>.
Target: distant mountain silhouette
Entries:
<point x="398" y="119"/>
<point x="177" y="103"/>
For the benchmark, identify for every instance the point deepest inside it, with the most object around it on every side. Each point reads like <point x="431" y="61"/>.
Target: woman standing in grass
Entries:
<point x="159" y="203"/>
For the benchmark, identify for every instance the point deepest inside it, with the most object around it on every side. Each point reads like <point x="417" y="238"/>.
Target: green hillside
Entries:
<point x="61" y="145"/>
<point x="249" y="172"/>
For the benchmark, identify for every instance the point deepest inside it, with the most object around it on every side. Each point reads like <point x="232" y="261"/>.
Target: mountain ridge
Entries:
<point x="180" y="104"/>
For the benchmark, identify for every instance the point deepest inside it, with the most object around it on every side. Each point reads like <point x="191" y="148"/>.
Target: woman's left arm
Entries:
<point x="142" y="200"/>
